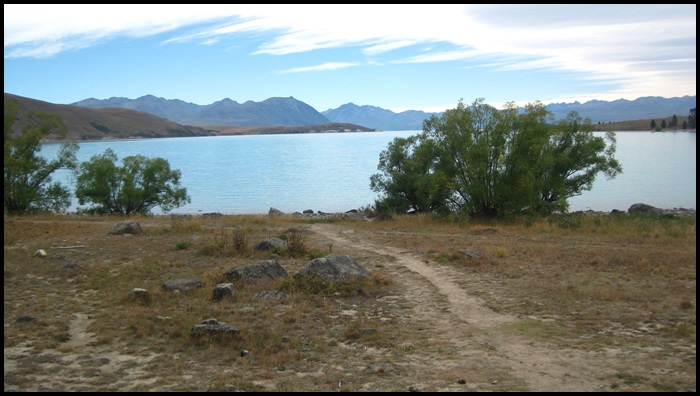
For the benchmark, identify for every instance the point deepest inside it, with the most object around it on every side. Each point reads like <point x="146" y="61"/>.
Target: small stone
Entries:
<point x="223" y="290"/>
<point x="40" y="253"/>
<point x="139" y="295"/>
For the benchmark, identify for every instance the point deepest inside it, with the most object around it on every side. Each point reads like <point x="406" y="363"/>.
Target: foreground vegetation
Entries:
<point x="616" y="294"/>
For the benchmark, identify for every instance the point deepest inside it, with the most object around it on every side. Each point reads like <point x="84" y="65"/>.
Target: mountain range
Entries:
<point x="123" y="123"/>
<point x="290" y="111"/>
<point x="150" y="116"/>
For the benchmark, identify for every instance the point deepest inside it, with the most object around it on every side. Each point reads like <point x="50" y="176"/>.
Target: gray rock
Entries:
<point x="271" y="295"/>
<point x="470" y="253"/>
<point x="139" y="295"/>
<point x="213" y="328"/>
<point x="263" y="271"/>
<point x="268" y="244"/>
<point x="181" y="284"/>
<point x="223" y="290"/>
<point x="275" y="212"/>
<point x="641" y="208"/>
<point x="126" y="227"/>
<point x="332" y="268"/>
<point x="71" y="267"/>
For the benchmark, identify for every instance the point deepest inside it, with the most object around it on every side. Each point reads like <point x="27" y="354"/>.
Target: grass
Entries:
<point x="587" y="282"/>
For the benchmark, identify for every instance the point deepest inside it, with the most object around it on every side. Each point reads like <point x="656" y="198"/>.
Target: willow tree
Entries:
<point x="138" y="186"/>
<point x="493" y="162"/>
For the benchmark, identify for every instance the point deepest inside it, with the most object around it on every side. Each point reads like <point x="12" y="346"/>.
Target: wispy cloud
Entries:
<point x="321" y="67"/>
<point x="640" y="45"/>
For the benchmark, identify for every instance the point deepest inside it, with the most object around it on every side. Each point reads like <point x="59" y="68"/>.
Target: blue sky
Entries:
<point x="398" y="57"/>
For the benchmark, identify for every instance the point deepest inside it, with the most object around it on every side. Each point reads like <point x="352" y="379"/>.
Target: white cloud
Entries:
<point x="323" y="66"/>
<point x="603" y="42"/>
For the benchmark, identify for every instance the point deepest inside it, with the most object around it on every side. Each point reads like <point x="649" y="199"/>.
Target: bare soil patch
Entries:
<point x="571" y="304"/>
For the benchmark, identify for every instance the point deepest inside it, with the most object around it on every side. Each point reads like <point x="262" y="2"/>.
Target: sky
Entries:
<point x="397" y="57"/>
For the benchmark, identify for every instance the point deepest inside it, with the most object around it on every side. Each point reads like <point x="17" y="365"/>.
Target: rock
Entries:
<point x="26" y="319"/>
<point x="126" y="227"/>
<point x="40" y="253"/>
<point x="275" y="212"/>
<point x="71" y="267"/>
<point x="139" y="295"/>
<point x="332" y="268"/>
<point x="271" y="295"/>
<point x="181" y="284"/>
<point x="641" y="208"/>
<point x="268" y="244"/>
<point x="471" y="253"/>
<point x="223" y="290"/>
<point x="263" y="271"/>
<point x="213" y="328"/>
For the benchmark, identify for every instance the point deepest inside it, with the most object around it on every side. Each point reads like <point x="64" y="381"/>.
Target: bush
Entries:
<point x="138" y="186"/>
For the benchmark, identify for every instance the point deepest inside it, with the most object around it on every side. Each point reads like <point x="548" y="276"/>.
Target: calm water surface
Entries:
<point x="330" y="171"/>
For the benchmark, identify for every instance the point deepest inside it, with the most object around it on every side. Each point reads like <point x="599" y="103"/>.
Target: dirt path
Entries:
<point x="477" y="332"/>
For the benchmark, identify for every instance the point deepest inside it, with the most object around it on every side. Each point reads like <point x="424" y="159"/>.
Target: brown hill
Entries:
<point x="109" y="123"/>
<point x="119" y="123"/>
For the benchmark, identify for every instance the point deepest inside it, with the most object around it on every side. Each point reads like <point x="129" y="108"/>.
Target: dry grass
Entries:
<point x="587" y="283"/>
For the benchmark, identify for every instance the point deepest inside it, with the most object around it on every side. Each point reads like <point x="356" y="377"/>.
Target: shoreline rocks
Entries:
<point x="642" y="209"/>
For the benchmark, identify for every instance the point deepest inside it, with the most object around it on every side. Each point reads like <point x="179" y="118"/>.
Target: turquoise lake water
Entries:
<point x="330" y="171"/>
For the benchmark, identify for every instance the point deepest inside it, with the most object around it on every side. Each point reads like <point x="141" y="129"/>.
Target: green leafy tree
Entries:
<point x="653" y="124"/>
<point x="29" y="187"/>
<point x="685" y="125"/>
<point x="497" y="163"/>
<point x="674" y="122"/>
<point x="136" y="187"/>
<point x="691" y="118"/>
<point x="409" y="179"/>
<point x="663" y="124"/>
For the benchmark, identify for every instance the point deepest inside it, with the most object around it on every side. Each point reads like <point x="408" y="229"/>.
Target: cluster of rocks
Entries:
<point x="645" y="209"/>
<point x="352" y="214"/>
<point x="330" y="269"/>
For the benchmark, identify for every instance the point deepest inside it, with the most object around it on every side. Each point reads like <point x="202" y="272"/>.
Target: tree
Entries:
<point x="653" y="124"/>
<point x="691" y="118"/>
<point x="663" y="124"/>
<point x="685" y="125"/>
<point x="490" y="163"/>
<point x="674" y="122"/>
<point x="409" y="178"/>
<point x="28" y="182"/>
<point x="138" y="186"/>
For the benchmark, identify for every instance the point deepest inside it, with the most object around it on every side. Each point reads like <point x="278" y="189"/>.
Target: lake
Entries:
<point x="330" y="171"/>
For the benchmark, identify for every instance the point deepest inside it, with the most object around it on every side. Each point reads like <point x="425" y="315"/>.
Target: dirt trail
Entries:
<point x="476" y="331"/>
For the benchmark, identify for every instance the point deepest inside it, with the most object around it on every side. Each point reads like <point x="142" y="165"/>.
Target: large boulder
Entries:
<point x="641" y="208"/>
<point x="262" y="271"/>
<point x="332" y="268"/>
<point x="126" y="227"/>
